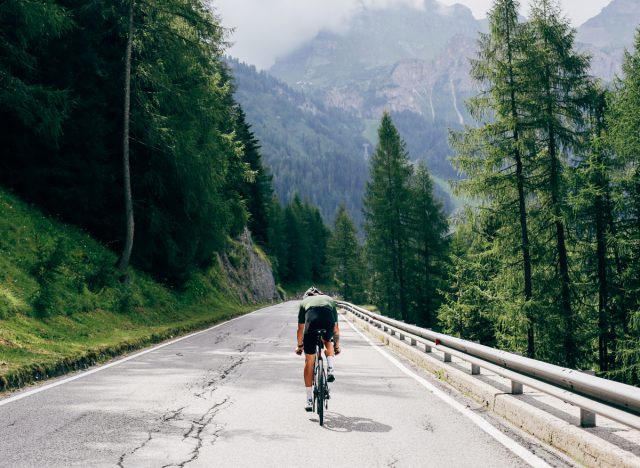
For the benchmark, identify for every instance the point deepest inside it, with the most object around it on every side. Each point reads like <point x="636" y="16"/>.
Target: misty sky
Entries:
<point x="266" y="29"/>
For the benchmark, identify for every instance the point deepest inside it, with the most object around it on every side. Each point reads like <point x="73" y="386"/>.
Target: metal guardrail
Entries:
<point x="593" y="395"/>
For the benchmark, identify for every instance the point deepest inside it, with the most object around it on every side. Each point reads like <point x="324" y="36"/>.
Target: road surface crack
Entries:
<point x="220" y="338"/>
<point x="212" y="384"/>
<point x="196" y="426"/>
<point x="195" y="432"/>
<point x="139" y="447"/>
<point x="244" y="347"/>
<point x="171" y="415"/>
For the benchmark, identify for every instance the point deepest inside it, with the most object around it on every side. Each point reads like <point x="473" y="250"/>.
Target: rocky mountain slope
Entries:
<point x="412" y="62"/>
<point x="613" y="29"/>
<point x="312" y="149"/>
<point x="606" y="35"/>
<point x="400" y="59"/>
<point x="416" y="61"/>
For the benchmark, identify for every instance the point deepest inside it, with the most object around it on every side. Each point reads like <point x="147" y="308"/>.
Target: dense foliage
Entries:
<point x="346" y="258"/>
<point x="298" y="241"/>
<point x="405" y="232"/>
<point x="547" y="263"/>
<point x="196" y="172"/>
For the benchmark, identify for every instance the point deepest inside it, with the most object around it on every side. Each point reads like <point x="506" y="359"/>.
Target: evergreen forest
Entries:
<point x="195" y="170"/>
<point x="544" y="261"/>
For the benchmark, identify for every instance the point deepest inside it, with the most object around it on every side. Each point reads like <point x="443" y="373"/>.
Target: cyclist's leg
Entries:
<point x="309" y="345"/>
<point x="309" y="361"/>
<point x="328" y="325"/>
<point x="328" y="348"/>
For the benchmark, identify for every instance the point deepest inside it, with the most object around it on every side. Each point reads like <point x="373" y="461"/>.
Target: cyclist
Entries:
<point x="317" y="312"/>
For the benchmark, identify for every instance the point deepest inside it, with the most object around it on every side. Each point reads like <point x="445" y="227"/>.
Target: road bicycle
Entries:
<point x="320" y="384"/>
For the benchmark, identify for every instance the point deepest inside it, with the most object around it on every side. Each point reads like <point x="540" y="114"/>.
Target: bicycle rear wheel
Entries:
<point x="321" y="396"/>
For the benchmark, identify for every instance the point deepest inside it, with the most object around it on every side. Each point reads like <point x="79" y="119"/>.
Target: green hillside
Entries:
<point x="61" y="306"/>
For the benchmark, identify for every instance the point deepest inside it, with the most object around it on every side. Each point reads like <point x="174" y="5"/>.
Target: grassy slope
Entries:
<point x="61" y="307"/>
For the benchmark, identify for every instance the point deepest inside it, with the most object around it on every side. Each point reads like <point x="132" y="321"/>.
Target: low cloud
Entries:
<point x="267" y="29"/>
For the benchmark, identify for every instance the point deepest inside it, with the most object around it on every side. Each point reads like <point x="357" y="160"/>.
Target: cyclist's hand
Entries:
<point x="299" y="350"/>
<point x="337" y="349"/>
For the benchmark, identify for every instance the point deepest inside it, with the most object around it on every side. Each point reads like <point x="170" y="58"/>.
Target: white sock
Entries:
<point x="330" y="361"/>
<point x="309" y="393"/>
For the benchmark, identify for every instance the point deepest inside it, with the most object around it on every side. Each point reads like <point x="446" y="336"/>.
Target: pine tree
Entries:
<point x="318" y="237"/>
<point x="596" y="227"/>
<point x="469" y="307"/>
<point x="556" y="89"/>
<point x="624" y="121"/>
<point x="258" y="190"/>
<point x="386" y="203"/>
<point x="344" y="255"/>
<point x="495" y="155"/>
<point x="427" y="233"/>
<point x="26" y="29"/>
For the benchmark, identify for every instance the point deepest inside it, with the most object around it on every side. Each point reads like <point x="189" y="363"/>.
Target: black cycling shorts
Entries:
<point x="317" y="318"/>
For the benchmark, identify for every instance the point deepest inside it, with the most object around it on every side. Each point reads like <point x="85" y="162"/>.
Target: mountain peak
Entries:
<point x="614" y="27"/>
<point x="377" y="37"/>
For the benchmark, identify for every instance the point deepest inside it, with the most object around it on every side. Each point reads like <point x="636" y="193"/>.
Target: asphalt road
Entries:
<point x="233" y="396"/>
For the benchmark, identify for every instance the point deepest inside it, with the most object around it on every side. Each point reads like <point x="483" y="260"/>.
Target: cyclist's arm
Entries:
<point x="300" y="334"/>
<point x="336" y="328"/>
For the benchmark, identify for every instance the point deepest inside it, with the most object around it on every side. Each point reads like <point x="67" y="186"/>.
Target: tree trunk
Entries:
<point x="522" y="207"/>
<point x="125" y="257"/>
<point x="603" y="288"/>
<point x="563" y="259"/>
<point x="427" y="279"/>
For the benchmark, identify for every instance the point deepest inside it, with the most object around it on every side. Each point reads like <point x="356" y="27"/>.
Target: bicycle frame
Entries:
<point x="320" y="386"/>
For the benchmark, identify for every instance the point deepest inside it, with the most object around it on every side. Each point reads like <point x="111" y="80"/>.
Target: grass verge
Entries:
<point x="62" y="307"/>
<point x="34" y="349"/>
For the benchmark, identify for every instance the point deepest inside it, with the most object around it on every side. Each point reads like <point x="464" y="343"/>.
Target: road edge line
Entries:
<point x="82" y="374"/>
<point x="506" y="441"/>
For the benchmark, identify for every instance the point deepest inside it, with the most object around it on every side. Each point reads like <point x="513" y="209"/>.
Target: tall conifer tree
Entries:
<point x="595" y="226"/>
<point x="495" y="155"/>
<point x="556" y="88"/>
<point x="386" y="205"/>
<point x="427" y="232"/>
<point x="624" y="122"/>
<point x="345" y="257"/>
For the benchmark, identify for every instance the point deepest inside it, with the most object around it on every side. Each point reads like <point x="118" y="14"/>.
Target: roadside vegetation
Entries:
<point x="62" y="307"/>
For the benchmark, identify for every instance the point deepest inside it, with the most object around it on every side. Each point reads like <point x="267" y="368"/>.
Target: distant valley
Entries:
<point x="414" y="63"/>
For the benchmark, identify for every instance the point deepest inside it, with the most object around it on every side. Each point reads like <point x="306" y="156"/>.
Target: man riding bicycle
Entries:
<point x="317" y="312"/>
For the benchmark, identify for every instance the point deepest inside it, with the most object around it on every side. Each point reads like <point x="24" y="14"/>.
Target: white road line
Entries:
<point x="477" y="420"/>
<point x="27" y="393"/>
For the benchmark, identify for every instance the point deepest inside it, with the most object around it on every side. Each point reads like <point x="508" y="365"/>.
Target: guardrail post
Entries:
<point x="401" y="336"/>
<point x="413" y="342"/>
<point x="587" y="418"/>
<point x="392" y="331"/>
<point x="427" y="348"/>
<point x="447" y="357"/>
<point x="385" y="328"/>
<point x="516" y="388"/>
<point x="475" y="369"/>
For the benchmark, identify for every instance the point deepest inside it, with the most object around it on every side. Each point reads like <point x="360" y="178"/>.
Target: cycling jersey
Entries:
<point x="317" y="313"/>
